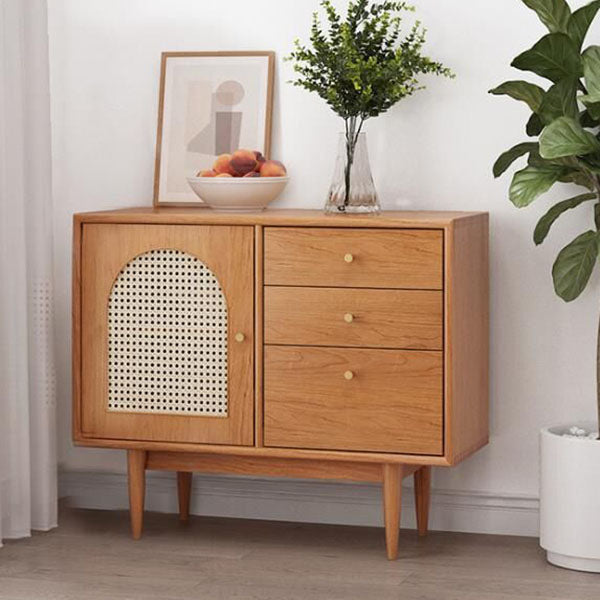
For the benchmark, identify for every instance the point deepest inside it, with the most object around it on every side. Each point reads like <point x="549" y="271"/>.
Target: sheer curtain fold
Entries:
<point x="28" y="488"/>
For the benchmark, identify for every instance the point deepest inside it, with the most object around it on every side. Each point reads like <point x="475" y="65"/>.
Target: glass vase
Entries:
<point x="352" y="190"/>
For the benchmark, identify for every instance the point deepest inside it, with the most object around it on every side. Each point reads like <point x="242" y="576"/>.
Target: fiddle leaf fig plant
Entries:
<point x="565" y="129"/>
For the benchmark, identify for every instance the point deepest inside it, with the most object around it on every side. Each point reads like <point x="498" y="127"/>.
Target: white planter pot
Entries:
<point x="570" y="499"/>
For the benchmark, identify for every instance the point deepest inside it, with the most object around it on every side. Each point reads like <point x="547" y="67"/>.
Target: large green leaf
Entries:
<point x="531" y="182"/>
<point x="560" y="101"/>
<point x="521" y="90"/>
<point x="545" y="223"/>
<point x="554" y="14"/>
<point x="591" y="162"/>
<point x="580" y="22"/>
<point x="508" y="158"/>
<point x="574" y="265"/>
<point x="587" y="120"/>
<point x="566" y="137"/>
<point x="578" y="178"/>
<point x="534" y="126"/>
<point x="591" y="73"/>
<point x="572" y="169"/>
<point x="592" y="103"/>
<point x="591" y="70"/>
<point x="555" y="56"/>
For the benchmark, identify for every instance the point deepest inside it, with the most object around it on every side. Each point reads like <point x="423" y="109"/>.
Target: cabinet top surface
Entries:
<point x="277" y="217"/>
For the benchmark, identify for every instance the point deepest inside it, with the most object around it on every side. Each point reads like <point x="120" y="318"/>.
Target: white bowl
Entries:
<point x="239" y="194"/>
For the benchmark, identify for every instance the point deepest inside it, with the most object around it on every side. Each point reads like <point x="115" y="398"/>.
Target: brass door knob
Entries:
<point x="348" y="317"/>
<point x="348" y="258"/>
<point x="240" y="337"/>
<point x="349" y="375"/>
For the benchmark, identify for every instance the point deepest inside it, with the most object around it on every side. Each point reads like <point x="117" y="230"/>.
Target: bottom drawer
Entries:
<point x="354" y="399"/>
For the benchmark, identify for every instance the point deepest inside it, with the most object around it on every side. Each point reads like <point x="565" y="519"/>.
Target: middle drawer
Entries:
<point x="348" y="317"/>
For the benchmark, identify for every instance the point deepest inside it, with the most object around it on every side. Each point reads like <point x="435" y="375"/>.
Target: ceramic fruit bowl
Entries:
<point x="233" y="194"/>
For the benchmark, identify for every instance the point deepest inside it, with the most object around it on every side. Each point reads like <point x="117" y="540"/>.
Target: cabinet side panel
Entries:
<point x="467" y="337"/>
<point x="76" y="330"/>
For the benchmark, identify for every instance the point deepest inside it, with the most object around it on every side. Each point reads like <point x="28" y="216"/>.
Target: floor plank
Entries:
<point x="91" y="556"/>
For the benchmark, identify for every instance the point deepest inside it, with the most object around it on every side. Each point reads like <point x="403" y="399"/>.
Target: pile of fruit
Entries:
<point x="244" y="163"/>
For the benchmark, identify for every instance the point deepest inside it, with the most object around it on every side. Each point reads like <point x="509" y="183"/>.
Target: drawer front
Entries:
<point x="354" y="399"/>
<point x="377" y="258"/>
<point x="354" y="317"/>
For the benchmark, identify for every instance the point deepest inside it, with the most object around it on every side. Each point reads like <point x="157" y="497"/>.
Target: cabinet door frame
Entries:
<point x="228" y="251"/>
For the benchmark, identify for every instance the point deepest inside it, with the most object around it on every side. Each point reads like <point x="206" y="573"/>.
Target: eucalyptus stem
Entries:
<point x="352" y="134"/>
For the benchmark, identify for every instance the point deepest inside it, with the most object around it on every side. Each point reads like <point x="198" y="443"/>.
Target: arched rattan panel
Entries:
<point x="167" y="337"/>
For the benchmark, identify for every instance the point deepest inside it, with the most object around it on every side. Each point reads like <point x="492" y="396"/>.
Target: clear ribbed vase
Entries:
<point x="352" y="190"/>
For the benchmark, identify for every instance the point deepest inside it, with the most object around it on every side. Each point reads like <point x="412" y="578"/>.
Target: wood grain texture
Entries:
<point x="422" y="498"/>
<point x="465" y="345"/>
<point x="392" y="507"/>
<point x="90" y="558"/>
<point x="274" y="217"/>
<point x="136" y="474"/>
<point x="228" y="253"/>
<point x="264" y="466"/>
<point x="184" y="493"/>
<point x="467" y="338"/>
<point x="258" y="336"/>
<point x="349" y="317"/>
<point x="405" y="258"/>
<point x="161" y="104"/>
<point x="393" y="403"/>
<point x="273" y="452"/>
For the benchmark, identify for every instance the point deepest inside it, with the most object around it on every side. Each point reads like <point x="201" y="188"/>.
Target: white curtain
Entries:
<point x="28" y="487"/>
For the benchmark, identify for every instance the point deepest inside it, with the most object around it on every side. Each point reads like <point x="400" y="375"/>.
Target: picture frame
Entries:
<point x="210" y="103"/>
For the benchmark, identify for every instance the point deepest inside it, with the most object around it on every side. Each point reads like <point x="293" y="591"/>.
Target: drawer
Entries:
<point x="354" y="317"/>
<point x="335" y="257"/>
<point x="354" y="399"/>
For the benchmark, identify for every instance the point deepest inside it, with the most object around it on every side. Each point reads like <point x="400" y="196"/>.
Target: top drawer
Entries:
<point x="335" y="257"/>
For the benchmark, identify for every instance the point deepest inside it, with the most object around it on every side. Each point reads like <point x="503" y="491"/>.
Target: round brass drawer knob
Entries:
<point x="240" y="337"/>
<point x="348" y="375"/>
<point x="348" y="258"/>
<point x="348" y="317"/>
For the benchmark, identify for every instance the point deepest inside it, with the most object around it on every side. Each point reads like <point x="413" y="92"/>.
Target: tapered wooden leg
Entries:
<point x="136" y="467"/>
<point x="184" y="491"/>
<point x="422" y="498"/>
<point x="392" y="499"/>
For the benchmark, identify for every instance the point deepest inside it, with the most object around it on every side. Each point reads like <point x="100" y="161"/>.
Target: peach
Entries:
<point x="222" y="164"/>
<point x="206" y="173"/>
<point x="252" y="174"/>
<point x="260" y="159"/>
<point x="242" y="162"/>
<point x="272" y="168"/>
<point x="224" y="175"/>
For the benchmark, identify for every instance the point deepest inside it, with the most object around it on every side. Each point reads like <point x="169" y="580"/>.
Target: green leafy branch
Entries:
<point x="362" y="66"/>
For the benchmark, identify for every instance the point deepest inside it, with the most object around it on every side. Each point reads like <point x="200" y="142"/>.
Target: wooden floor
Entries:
<point x="90" y="556"/>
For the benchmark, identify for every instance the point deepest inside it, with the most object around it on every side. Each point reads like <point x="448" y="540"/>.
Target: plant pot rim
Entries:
<point x="558" y="431"/>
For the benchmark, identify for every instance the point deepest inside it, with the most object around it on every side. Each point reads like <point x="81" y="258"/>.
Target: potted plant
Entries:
<point x="564" y="129"/>
<point x="361" y="67"/>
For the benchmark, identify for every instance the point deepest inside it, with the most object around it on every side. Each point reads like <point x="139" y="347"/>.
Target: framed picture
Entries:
<point x="210" y="103"/>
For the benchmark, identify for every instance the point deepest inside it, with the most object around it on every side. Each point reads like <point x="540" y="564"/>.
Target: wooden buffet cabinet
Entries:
<point x="284" y="343"/>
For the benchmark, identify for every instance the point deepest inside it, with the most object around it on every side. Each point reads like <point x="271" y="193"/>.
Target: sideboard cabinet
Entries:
<point x="284" y="343"/>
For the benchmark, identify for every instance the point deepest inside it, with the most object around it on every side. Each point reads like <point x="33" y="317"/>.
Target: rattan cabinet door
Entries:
<point x="167" y="333"/>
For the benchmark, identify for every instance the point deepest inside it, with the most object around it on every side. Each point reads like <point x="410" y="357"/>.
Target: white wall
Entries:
<point x="432" y="151"/>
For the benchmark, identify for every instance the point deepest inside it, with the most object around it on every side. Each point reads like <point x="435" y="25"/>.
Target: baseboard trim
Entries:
<point x="311" y="501"/>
